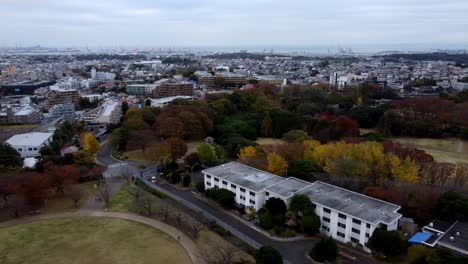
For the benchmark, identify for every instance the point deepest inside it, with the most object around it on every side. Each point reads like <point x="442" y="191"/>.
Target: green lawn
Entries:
<point x="88" y="240"/>
<point x="121" y="201"/>
<point x="443" y="150"/>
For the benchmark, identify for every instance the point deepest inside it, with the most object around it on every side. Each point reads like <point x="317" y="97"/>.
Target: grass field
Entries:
<point x="269" y="141"/>
<point x="443" y="150"/>
<point x="88" y="240"/>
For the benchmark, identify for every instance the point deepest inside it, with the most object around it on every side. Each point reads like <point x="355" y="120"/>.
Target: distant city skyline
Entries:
<point x="363" y="25"/>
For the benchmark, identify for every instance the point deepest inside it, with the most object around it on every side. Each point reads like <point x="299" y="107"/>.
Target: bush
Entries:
<point x="173" y="177"/>
<point x="275" y="206"/>
<point x="266" y="221"/>
<point x="223" y="197"/>
<point x="325" y="250"/>
<point x="279" y="230"/>
<point x="200" y="186"/>
<point x="310" y="224"/>
<point x="268" y="255"/>
<point x="390" y="243"/>
<point x="186" y="180"/>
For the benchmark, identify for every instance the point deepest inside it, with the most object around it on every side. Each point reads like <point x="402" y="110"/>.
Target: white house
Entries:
<point x="345" y="215"/>
<point x="29" y="145"/>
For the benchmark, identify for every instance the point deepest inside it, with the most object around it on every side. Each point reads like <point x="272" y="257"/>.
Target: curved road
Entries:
<point x="179" y="236"/>
<point x="294" y="251"/>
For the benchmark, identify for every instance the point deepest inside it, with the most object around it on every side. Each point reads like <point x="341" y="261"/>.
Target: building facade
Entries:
<point x="29" y="145"/>
<point x="345" y="215"/>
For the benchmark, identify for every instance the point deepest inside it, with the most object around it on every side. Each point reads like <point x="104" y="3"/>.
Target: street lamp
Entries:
<point x="191" y="171"/>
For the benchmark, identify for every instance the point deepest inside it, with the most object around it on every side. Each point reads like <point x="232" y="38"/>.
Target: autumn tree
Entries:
<point x="247" y="152"/>
<point x="276" y="164"/>
<point x="91" y="144"/>
<point x="177" y="146"/>
<point x="267" y="128"/>
<point x="296" y="136"/>
<point x="158" y="152"/>
<point x="61" y="176"/>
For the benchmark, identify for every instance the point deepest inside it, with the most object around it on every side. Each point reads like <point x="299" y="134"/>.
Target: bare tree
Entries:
<point x="179" y="217"/>
<point x="144" y="205"/>
<point x="105" y="193"/>
<point x="165" y="211"/>
<point x="16" y="205"/>
<point x="220" y="253"/>
<point x="135" y="192"/>
<point x="75" y="193"/>
<point x="195" y="228"/>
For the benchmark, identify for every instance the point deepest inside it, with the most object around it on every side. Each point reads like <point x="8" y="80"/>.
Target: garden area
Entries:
<point x="88" y="240"/>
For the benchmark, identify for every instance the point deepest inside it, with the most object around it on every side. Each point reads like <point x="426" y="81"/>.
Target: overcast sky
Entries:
<point x="172" y="23"/>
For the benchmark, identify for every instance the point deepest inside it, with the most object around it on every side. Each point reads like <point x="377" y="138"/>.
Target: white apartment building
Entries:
<point x="102" y="76"/>
<point x="345" y="215"/>
<point x="29" y="145"/>
<point x="109" y="112"/>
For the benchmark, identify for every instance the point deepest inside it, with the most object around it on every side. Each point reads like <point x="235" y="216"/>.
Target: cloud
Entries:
<point x="232" y="23"/>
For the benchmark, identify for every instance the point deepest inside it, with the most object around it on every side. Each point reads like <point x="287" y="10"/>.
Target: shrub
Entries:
<point x="266" y="221"/>
<point x="200" y="186"/>
<point x="173" y="177"/>
<point x="268" y="255"/>
<point x="325" y="250"/>
<point x="311" y="224"/>
<point x="390" y="243"/>
<point x="223" y="197"/>
<point x="186" y="180"/>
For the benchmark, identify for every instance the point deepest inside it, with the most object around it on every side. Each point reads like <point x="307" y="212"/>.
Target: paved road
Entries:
<point x="293" y="252"/>
<point x="189" y="246"/>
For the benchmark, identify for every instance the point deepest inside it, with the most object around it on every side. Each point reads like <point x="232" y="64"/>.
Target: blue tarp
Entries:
<point x="419" y="238"/>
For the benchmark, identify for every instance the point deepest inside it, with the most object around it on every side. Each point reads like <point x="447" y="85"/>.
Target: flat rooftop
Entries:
<point x="29" y="139"/>
<point x="245" y="176"/>
<point x="351" y="203"/>
<point x="456" y="238"/>
<point x="288" y="187"/>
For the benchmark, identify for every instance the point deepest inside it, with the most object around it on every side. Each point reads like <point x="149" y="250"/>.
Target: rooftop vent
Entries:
<point x="457" y="234"/>
<point x="431" y="224"/>
<point x="452" y="238"/>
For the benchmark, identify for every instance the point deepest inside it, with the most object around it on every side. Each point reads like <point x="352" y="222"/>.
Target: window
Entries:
<point x="356" y="231"/>
<point x="208" y="176"/>
<point x="233" y="186"/>
<point x="216" y="179"/>
<point x="367" y="235"/>
<point x="356" y="221"/>
<point x="252" y="201"/>
<point x="225" y="182"/>
<point x="30" y="149"/>
<point x="342" y="225"/>
<point x="342" y="216"/>
<point x="326" y="228"/>
<point x="35" y="148"/>
<point x="326" y="219"/>
<point x="252" y="194"/>
<point x="326" y="210"/>
<point x="242" y="198"/>
<point x="267" y="193"/>
<point x="20" y="149"/>
<point x="340" y="234"/>
<point x="242" y="189"/>
<point x="355" y="240"/>
<point x="208" y="183"/>
<point x="368" y="225"/>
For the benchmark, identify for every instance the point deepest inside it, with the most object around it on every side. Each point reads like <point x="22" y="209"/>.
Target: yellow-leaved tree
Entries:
<point x="91" y="145"/>
<point x="403" y="170"/>
<point x="247" y="152"/>
<point x="276" y="164"/>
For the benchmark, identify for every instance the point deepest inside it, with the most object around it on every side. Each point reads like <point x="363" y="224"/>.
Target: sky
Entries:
<point x="240" y="23"/>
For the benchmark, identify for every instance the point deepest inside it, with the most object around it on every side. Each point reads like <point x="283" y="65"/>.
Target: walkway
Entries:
<point x="179" y="236"/>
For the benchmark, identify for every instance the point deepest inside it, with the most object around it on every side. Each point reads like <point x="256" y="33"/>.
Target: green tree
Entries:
<point x="186" y="180"/>
<point x="267" y="129"/>
<point x="303" y="169"/>
<point x="301" y="203"/>
<point x="207" y="155"/>
<point x="124" y="108"/>
<point x="147" y="102"/>
<point x="275" y="206"/>
<point x="268" y="255"/>
<point x="417" y="254"/>
<point x="325" y="250"/>
<point x="266" y="221"/>
<point x="389" y="243"/>
<point x="310" y="224"/>
<point x="9" y="157"/>
<point x="296" y="136"/>
<point x="452" y="206"/>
